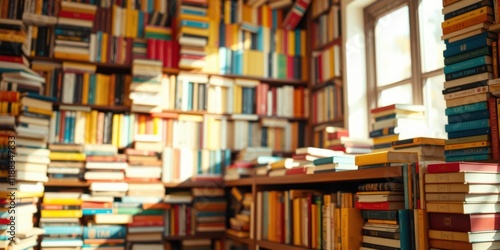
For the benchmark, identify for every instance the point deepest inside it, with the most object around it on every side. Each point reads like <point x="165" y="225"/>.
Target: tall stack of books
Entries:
<point x="141" y="201"/>
<point x="74" y="39"/>
<point x="241" y="223"/>
<point x="396" y="122"/>
<point x="462" y="201"/>
<point x="470" y="61"/>
<point x="60" y="214"/>
<point x="209" y="206"/>
<point x="104" y="163"/>
<point x="193" y="32"/>
<point x="147" y="86"/>
<point x="67" y="162"/>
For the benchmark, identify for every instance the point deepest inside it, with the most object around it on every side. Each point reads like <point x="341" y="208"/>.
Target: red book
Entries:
<point x="450" y="167"/>
<point x="14" y="59"/>
<point x="261" y="99"/>
<point x="495" y="146"/>
<point x="338" y="148"/>
<point x="151" y="51"/>
<point x="241" y="164"/>
<point x="315" y="107"/>
<point x="188" y="221"/>
<point x="9" y="96"/>
<point x="168" y="56"/>
<point x="160" y="51"/>
<point x="336" y="135"/>
<point x="384" y="205"/>
<point x="128" y="50"/>
<point x="62" y="125"/>
<point x="4" y="221"/>
<point x="298" y="170"/>
<point x="92" y="204"/>
<point x="275" y="100"/>
<point x="192" y="57"/>
<point x="131" y="151"/>
<point x="290" y="67"/>
<point x="464" y="222"/>
<point x="69" y="14"/>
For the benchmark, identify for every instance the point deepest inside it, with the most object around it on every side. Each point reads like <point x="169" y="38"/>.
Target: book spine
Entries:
<point x="493" y="120"/>
<point x="382" y="132"/>
<point x="482" y="157"/>
<point x="464" y="65"/>
<point x="380" y="215"/>
<point x="466" y="108"/>
<point x="467" y="125"/>
<point x="104" y="232"/>
<point x="450" y="222"/>
<point x="471" y="71"/>
<point x="467" y="92"/>
<point x="381" y="234"/>
<point x="465" y="87"/>
<point x="475" y="115"/>
<point x="468" y="8"/>
<point x="468" y="151"/>
<point x="483" y="51"/>
<point x="485" y="17"/>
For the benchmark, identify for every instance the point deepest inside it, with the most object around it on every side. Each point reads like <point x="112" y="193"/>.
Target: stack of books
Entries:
<point x="143" y="200"/>
<point x="209" y="209"/>
<point x="74" y="36"/>
<point x="14" y="45"/>
<point x="147" y="86"/>
<point x="462" y="205"/>
<point x="396" y="122"/>
<point x="243" y="164"/>
<point x="241" y="223"/>
<point x="334" y="164"/>
<point x="303" y="160"/>
<point x="385" y="159"/>
<point x="67" y="162"/>
<point x="161" y="46"/>
<point x="471" y="61"/>
<point x="60" y="214"/>
<point x="427" y="148"/>
<point x="387" y="223"/>
<point x="336" y="138"/>
<point x="104" y="163"/>
<point x="179" y="218"/>
<point x="193" y="32"/>
<point x="143" y="165"/>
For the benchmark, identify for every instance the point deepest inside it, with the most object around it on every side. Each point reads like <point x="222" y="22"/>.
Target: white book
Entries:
<point x="108" y="186"/>
<point x="106" y="165"/>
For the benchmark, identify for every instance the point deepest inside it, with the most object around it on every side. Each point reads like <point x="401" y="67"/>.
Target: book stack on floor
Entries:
<point x="193" y="32"/>
<point x="462" y="202"/>
<point x="338" y="139"/>
<point x="75" y="18"/>
<point x="19" y="209"/>
<point x="471" y="61"/>
<point x="396" y="122"/>
<point x="60" y="214"/>
<point x="209" y="206"/>
<point x="104" y="163"/>
<point x="243" y="165"/>
<point x="241" y="223"/>
<point x="67" y="162"/>
<point x="334" y="164"/>
<point x="147" y="87"/>
<point x="387" y="223"/>
<point x="144" y="202"/>
<point x="427" y="148"/>
<point x="179" y="218"/>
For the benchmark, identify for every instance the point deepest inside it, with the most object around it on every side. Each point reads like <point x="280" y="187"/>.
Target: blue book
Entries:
<point x="482" y="157"/>
<point x="474" y="62"/>
<point x="105" y="232"/>
<point x="468" y="72"/>
<point x="67" y="126"/>
<point x="227" y="157"/>
<point x="334" y="159"/>
<point x="466" y="108"/>
<point x="190" y="96"/>
<point x="194" y="24"/>
<point x="73" y="124"/>
<point x="483" y="51"/>
<point x="468" y="151"/>
<point x="140" y="27"/>
<point x="468" y="116"/>
<point x="98" y="57"/>
<point x="461" y="42"/>
<point x="470" y="132"/>
<point x="92" y="88"/>
<point x="380" y="214"/>
<point x="298" y="45"/>
<point x="467" y="46"/>
<point x="128" y="204"/>
<point x="93" y="211"/>
<point x="198" y="164"/>
<point x="53" y="230"/>
<point x="218" y="162"/>
<point x="467" y="125"/>
<point x="40" y="97"/>
<point x="193" y="12"/>
<point x="382" y="132"/>
<point x="466" y="9"/>
<point x="260" y="39"/>
<point x="405" y="228"/>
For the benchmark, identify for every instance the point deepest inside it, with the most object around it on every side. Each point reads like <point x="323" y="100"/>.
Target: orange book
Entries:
<point x="71" y="56"/>
<point x="351" y="225"/>
<point x="467" y="23"/>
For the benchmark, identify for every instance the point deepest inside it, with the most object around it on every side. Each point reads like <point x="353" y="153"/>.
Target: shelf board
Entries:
<point x="205" y="235"/>
<point x="240" y="182"/>
<point x="95" y="107"/>
<point x="246" y="241"/>
<point x="186" y="184"/>
<point x="273" y="81"/>
<point x="336" y="41"/>
<point x="495" y="27"/>
<point x="329" y="82"/>
<point x="99" y="65"/>
<point x="278" y="246"/>
<point x="331" y="122"/>
<point x="193" y="184"/>
<point x="285" y="118"/>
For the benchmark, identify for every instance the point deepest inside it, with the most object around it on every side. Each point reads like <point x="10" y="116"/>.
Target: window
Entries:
<point x="405" y="57"/>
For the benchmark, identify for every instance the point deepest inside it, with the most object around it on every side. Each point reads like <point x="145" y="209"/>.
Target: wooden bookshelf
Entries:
<point x="113" y="66"/>
<point x="241" y="182"/>
<point x="271" y="81"/>
<point x="210" y="235"/>
<point x="278" y="246"/>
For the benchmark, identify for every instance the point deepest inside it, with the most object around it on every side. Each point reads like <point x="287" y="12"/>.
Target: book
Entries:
<point x="385" y="157"/>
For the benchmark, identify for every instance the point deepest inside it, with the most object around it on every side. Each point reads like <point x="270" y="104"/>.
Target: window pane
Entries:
<point x="399" y="94"/>
<point x="430" y="34"/>
<point x="435" y="105"/>
<point x="392" y="47"/>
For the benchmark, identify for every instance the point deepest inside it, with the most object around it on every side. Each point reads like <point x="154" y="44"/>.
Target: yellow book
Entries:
<point x="386" y="139"/>
<point x="62" y="201"/>
<point x="35" y="110"/>
<point x="389" y="222"/>
<point x="337" y="233"/>
<point x="314" y="226"/>
<point x="67" y="156"/>
<point x="279" y="41"/>
<point x="159" y="30"/>
<point x="193" y="118"/>
<point x="61" y="213"/>
<point x="85" y="88"/>
<point x="157" y="125"/>
<point x="466" y="16"/>
<point x="12" y="37"/>
<point x="385" y="157"/>
<point x="19" y="194"/>
<point x="351" y="228"/>
<point x="422" y="228"/>
<point x="93" y="127"/>
<point x="265" y="15"/>
<point x="181" y="16"/>
<point x="467" y="145"/>
<point x="296" y="221"/>
<point x="247" y="13"/>
<point x="38" y="7"/>
<point x="34" y="35"/>
<point x="115" y="129"/>
<point x="291" y="42"/>
<point x="104" y="48"/>
<point x="71" y="56"/>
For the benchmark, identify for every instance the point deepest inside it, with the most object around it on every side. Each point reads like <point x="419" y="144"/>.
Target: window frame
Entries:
<point x="418" y="76"/>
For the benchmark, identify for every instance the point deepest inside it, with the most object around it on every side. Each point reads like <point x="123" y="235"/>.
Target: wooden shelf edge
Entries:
<point x="94" y="107"/>
<point x="278" y="246"/>
<point x="494" y="27"/>
<point x="336" y="41"/>
<point x="186" y="184"/>
<point x="246" y="241"/>
<point x="98" y="64"/>
<point x="240" y="182"/>
<point x="330" y="82"/>
<point x="57" y="183"/>
<point x="333" y="122"/>
<point x="204" y="235"/>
